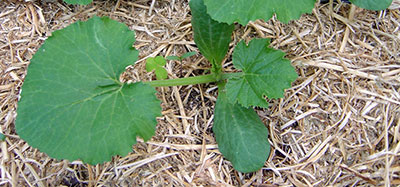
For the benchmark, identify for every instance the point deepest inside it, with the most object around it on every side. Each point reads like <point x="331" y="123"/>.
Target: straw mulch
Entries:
<point x="339" y="125"/>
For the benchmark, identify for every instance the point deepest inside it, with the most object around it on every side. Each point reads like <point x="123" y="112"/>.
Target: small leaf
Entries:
<point x="243" y="11"/>
<point x="265" y="73"/>
<point x="372" y="4"/>
<point x="161" y="73"/>
<point x="157" y="63"/>
<point x="188" y="54"/>
<point x="211" y="37"/>
<point x="78" y="2"/>
<point x="2" y="137"/>
<point x="72" y="104"/>
<point x="241" y="136"/>
<point x="160" y="61"/>
<point x="173" y="58"/>
<point x="150" y="64"/>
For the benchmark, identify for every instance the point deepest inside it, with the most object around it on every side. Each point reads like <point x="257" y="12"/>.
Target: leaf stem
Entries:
<point x="231" y="75"/>
<point x="191" y="80"/>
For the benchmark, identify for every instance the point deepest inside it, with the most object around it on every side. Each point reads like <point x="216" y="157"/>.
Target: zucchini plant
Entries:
<point x="73" y="105"/>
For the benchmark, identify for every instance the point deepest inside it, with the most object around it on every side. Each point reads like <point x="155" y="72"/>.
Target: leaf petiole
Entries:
<point x="192" y="80"/>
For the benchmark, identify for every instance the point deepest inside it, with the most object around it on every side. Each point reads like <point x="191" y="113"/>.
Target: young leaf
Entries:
<point x="241" y="136"/>
<point x="157" y="63"/>
<point x="78" y="2"/>
<point x="161" y="73"/>
<point x="72" y="104"/>
<point x="265" y="73"/>
<point x="211" y="37"/>
<point x="188" y="54"/>
<point x="2" y="137"/>
<point x="243" y="11"/>
<point x="154" y="62"/>
<point x="160" y="61"/>
<point x="173" y="58"/>
<point x="372" y="4"/>
<point x="150" y="64"/>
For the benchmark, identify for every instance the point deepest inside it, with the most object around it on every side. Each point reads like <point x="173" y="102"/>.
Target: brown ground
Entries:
<point x="339" y="125"/>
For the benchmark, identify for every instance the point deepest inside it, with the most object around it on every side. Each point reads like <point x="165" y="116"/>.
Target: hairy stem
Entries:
<point x="192" y="80"/>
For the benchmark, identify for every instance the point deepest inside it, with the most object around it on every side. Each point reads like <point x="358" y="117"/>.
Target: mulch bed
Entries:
<point x="339" y="125"/>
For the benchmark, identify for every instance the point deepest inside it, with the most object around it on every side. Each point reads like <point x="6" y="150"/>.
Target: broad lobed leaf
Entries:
<point x="211" y="37"/>
<point x="72" y="104"/>
<point x="265" y="73"/>
<point x="242" y="137"/>
<point x="243" y="11"/>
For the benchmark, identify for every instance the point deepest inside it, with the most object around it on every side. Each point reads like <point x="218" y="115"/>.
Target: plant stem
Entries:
<point x="231" y="75"/>
<point x="191" y="80"/>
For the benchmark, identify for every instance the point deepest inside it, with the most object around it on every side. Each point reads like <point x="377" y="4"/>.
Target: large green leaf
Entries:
<point x="243" y="11"/>
<point x="72" y="104"/>
<point x="78" y="2"/>
<point x="265" y="73"/>
<point x="211" y="37"/>
<point x="373" y="4"/>
<point x="242" y="137"/>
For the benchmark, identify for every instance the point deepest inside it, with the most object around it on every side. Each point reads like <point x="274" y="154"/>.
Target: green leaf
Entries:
<point x="72" y="104"/>
<point x="265" y="73"/>
<point x="2" y="137"/>
<point x="211" y="37"/>
<point x="173" y="58"/>
<point x="243" y="11"/>
<point x="153" y="63"/>
<point x="188" y="54"/>
<point x="241" y="136"/>
<point x="161" y="73"/>
<point x="160" y="61"/>
<point x="150" y="64"/>
<point x="78" y="2"/>
<point x="157" y="63"/>
<point x="372" y="4"/>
